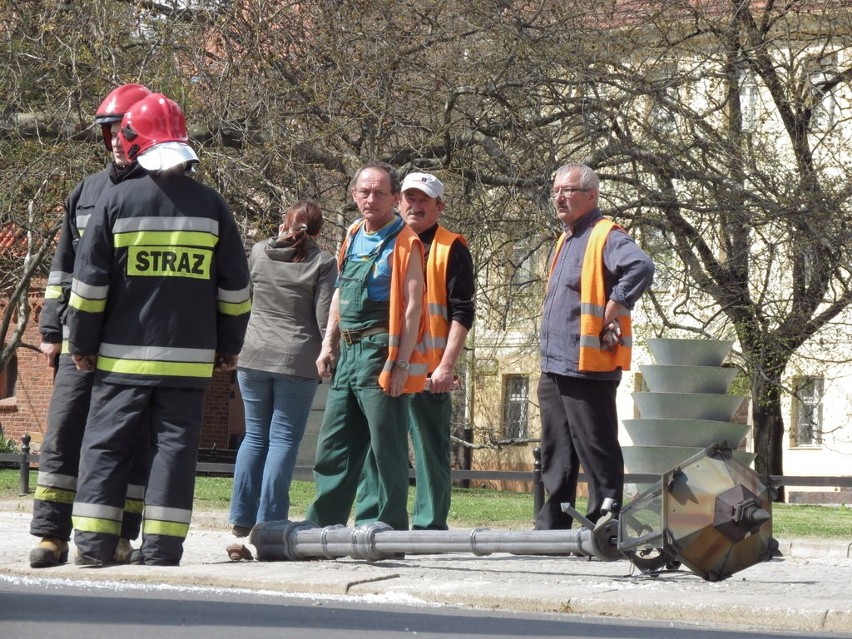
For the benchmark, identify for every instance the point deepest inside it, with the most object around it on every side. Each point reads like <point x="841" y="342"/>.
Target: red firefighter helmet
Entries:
<point x="153" y="132"/>
<point x="115" y="105"/>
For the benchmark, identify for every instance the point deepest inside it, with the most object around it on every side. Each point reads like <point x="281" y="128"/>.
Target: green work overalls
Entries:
<point x="429" y="420"/>
<point x="359" y="415"/>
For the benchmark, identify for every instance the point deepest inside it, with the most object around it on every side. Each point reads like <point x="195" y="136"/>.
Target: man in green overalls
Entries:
<point x="377" y="323"/>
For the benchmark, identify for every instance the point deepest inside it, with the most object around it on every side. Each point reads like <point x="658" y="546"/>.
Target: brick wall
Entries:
<point x="26" y="412"/>
<point x="217" y="411"/>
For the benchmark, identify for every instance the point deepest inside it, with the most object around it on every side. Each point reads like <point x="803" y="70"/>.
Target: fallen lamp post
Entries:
<point x="711" y="513"/>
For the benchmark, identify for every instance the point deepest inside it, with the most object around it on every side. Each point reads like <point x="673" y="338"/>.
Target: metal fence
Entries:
<point x="216" y="462"/>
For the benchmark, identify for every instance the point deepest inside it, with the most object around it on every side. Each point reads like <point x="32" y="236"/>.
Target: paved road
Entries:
<point x="34" y="608"/>
<point x="808" y="590"/>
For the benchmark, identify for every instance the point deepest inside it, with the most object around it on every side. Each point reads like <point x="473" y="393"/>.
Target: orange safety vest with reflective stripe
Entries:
<point x="405" y="245"/>
<point x="593" y="305"/>
<point x="436" y="293"/>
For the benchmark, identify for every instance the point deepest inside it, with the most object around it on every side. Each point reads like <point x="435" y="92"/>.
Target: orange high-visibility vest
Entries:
<point x="593" y="305"/>
<point x="436" y="293"/>
<point x="406" y="243"/>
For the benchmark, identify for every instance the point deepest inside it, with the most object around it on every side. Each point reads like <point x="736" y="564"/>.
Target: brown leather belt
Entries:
<point x="351" y="337"/>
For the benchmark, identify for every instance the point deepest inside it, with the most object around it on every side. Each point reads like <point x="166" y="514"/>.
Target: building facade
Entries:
<point x="26" y="384"/>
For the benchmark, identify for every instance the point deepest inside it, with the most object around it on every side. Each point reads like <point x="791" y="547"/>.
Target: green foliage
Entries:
<point x="473" y="508"/>
<point x="10" y="483"/>
<point x="827" y="522"/>
<point x="740" y="386"/>
<point x="8" y="445"/>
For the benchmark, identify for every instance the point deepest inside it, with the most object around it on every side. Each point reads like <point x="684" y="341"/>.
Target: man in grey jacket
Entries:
<point x="597" y="275"/>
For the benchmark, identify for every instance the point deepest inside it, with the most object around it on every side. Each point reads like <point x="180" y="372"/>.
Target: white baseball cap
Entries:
<point x="429" y="184"/>
<point x="165" y="155"/>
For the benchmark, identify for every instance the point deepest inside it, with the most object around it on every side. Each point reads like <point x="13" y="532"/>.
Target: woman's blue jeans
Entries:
<point x="276" y="411"/>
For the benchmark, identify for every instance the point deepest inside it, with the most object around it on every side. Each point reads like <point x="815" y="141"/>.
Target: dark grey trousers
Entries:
<point x="579" y="426"/>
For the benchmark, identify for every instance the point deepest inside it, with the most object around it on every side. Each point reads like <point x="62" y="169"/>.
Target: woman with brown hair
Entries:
<point x="292" y="284"/>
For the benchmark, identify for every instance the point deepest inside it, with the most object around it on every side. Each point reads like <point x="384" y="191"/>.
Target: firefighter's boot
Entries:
<point x="122" y="551"/>
<point x="49" y="552"/>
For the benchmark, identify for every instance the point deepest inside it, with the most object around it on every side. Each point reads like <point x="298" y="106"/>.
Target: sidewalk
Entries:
<point x="809" y="589"/>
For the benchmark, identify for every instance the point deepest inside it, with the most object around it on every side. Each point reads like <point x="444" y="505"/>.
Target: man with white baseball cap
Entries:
<point x="428" y="184"/>
<point x="450" y="297"/>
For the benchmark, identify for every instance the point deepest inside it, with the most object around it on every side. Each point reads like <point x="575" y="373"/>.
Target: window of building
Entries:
<point x="597" y="123"/>
<point x="664" y="95"/>
<point x="807" y="411"/>
<point x="750" y="105"/>
<point x="515" y="406"/>
<point x="656" y="243"/>
<point x="8" y="378"/>
<point x="821" y="70"/>
<point x="521" y="261"/>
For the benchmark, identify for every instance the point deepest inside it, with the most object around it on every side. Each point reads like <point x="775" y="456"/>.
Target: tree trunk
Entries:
<point x="768" y="427"/>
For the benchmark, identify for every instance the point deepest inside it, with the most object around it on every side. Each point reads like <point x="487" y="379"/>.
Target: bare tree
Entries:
<point x="717" y="128"/>
<point x="728" y="139"/>
<point x="60" y="59"/>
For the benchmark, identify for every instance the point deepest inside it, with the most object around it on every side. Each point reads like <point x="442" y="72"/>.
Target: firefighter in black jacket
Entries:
<point x="160" y="297"/>
<point x="66" y="417"/>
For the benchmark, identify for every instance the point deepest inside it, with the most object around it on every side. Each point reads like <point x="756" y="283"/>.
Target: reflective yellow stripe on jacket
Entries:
<point x="165" y="231"/>
<point x="88" y="298"/>
<point x="55" y="282"/>
<point x="233" y="302"/>
<point x="168" y="361"/>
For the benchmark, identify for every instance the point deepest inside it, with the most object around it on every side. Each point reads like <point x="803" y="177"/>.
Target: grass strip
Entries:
<point x="474" y="508"/>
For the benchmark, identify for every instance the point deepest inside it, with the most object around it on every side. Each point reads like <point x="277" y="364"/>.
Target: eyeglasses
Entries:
<point x="568" y="190"/>
<point x="365" y="193"/>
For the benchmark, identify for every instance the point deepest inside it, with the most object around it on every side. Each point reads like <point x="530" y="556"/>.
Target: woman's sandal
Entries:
<point x="238" y="552"/>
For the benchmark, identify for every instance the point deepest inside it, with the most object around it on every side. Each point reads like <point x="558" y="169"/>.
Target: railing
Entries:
<point x="208" y="464"/>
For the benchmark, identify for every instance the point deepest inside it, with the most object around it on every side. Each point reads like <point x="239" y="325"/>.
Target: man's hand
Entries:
<point x="611" y="332"/>
<point x="397" y="381"/>
<point x="225" y="362"/>
<point x="327" y="360"/>
<point x="85" y="362"/>
<point x="442" y="380"/>
<point x="611" y="336"/>
<point x="51" y="351"/>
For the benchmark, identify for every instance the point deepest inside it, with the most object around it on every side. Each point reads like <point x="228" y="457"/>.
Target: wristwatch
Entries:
<point x="401" y="363"/>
